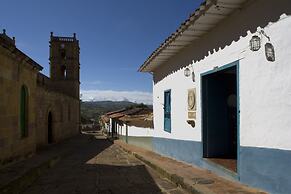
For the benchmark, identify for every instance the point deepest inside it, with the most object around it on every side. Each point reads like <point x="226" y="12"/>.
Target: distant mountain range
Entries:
<point x="93" y="110"/>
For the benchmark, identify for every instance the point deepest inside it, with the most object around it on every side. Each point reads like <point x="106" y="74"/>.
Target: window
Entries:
<point x="24" y="111"/>
<point x="167" y="111"/>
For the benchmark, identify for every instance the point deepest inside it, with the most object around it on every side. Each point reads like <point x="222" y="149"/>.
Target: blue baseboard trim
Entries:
<point x="144" y="142"/>
<point x="269" y="169"/>
<point x="189" y="152"/>
<point x="264" y="168"/>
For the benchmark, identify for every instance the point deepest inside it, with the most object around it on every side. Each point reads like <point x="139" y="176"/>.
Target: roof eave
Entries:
<point x="211" y="10"/>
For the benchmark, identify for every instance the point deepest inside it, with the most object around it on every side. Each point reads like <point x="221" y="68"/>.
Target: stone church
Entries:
<point x="37" y="110"/>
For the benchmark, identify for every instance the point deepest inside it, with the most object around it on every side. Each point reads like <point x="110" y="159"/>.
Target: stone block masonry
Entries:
<point x="37" y="110"/>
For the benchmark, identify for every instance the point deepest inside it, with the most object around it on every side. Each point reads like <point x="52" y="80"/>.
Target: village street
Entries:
<point x="155" y="96"/>
<point x="94" y="165"/>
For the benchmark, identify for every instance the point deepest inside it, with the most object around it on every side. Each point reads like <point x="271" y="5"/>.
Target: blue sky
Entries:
<point x="116" y="37"/>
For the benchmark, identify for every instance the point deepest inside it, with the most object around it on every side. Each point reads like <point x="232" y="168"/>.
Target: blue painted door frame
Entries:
<point x="167" y="111"/>
<point x="235" y="63"/>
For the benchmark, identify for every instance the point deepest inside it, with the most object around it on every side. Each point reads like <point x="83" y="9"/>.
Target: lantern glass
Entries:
<point x="187" y="72"/>
<point x="270" y="52"/>
<point x="255" y="43"/>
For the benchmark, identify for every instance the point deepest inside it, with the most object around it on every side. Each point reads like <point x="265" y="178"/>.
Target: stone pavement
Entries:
<point x="16" y="176"/>
<point x="190" y="178"/>
<point x="89" y="163"/>
<point x="96" y="166"/>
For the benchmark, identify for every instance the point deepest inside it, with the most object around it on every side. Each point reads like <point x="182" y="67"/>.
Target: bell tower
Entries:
<point x="64" y="64"/>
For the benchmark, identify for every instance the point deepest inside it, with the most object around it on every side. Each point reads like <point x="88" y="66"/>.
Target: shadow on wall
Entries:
<point x="258" y="14"/>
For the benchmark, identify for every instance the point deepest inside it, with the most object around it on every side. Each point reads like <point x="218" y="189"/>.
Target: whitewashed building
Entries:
<point x="222" y="92"/>
<point x="132" y="125"/>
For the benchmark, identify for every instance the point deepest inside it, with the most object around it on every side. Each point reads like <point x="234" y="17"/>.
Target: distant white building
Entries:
<point x="222" y="92"/>
<point x="132" y="125"/>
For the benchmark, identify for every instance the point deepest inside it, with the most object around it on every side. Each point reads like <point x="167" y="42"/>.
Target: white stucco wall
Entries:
<point x="265" y="87"/>
<point x="136" y="131"/>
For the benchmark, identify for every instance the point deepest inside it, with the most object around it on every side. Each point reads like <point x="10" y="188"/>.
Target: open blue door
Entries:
<point x="220" y="115"/>
<point x="167" y="111"/>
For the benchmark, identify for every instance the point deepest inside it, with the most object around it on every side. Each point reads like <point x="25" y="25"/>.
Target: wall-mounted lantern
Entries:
<point x="255" y="43"/>
<point x="187" y="72"/>
<point x="270" y="52"/>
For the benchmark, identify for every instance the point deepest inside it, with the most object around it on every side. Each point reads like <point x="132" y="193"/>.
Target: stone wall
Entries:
<point x="65" y="115"/>
<point x="15" y="72"/>
<point x="44" y="96"/>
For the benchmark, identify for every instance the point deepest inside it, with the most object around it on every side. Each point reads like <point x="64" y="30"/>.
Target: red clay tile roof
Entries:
<point x="139" y="117"/>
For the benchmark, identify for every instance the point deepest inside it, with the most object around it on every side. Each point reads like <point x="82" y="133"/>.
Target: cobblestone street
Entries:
<point x="94" y="165"/>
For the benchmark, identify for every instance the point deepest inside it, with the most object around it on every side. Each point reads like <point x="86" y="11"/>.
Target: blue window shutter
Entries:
<point x="167" y="111"/>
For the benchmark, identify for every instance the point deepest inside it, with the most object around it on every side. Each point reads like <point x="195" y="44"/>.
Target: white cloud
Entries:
<point x="102" y="95"/>
<point x="92" y="82"/>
